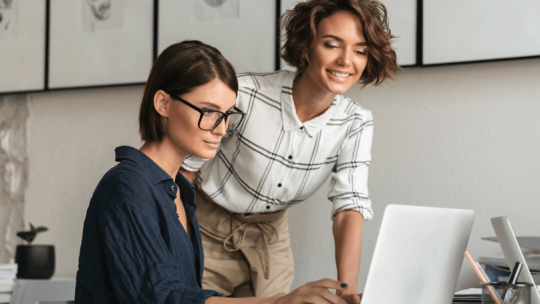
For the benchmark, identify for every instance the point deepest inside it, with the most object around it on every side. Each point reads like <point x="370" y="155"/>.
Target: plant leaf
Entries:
<point x="40" y="229"/>
<point x="27" y="236"/>
<point x="32" y="227"/>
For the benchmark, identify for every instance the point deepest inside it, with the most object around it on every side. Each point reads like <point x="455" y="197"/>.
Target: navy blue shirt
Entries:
<point x="134" y="249"/>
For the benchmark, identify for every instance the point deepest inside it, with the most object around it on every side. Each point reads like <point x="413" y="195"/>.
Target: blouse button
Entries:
<point x="267" y="207"/>
<point x="290" y="156"/>
<point x="172" y="188"/>
<point x="279" y="185"/>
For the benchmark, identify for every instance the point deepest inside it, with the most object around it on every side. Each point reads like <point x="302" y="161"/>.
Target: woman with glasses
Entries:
<point x="141" y="241"/>
<point x="298" y="131"/>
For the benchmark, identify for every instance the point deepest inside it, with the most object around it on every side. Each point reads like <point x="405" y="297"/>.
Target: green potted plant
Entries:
<point x="34" y="261"/>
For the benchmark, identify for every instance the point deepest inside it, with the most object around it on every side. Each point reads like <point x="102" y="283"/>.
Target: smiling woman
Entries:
<point x="299" y="130"/>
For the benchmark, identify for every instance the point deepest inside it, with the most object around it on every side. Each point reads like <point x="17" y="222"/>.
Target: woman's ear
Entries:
<point x="162" y="103"/>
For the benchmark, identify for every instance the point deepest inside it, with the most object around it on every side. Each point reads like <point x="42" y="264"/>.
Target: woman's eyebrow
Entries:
<point x="213" y="105"/>
<point x="208" y="104"/>
<point x="341" y="40"/>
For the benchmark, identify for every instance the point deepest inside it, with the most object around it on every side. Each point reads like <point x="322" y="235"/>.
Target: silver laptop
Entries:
<point x="418" y="255"/>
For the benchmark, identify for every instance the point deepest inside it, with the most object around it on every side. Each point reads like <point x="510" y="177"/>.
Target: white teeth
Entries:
<point x="340" y="75"/>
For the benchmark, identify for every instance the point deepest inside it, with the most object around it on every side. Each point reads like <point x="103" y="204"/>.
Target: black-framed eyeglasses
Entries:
<point x="210" y="119"/>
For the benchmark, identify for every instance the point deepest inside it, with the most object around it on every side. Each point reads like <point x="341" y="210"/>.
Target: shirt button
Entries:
<point x="290" y="156"/>
<point x="302" y="128"/>
<point x="172" y="188"/>
<point x="279" y="185"/>
<point x="267" y="207"/>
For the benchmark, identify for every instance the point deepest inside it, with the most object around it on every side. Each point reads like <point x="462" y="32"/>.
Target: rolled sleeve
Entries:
<point x="349" y="178"/>
<point x="139" y="262"/>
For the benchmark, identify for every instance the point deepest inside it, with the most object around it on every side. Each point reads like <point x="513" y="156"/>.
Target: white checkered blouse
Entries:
<point x="273" y="160"/>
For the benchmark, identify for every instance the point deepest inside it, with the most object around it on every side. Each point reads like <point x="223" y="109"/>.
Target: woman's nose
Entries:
<point x="221" y="128"/>
<point x="344" y="58"/>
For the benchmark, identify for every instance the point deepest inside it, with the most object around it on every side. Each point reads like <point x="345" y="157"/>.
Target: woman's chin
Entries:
<point x="205" y="154"/>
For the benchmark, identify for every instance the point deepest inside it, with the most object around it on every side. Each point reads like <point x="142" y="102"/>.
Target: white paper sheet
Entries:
<point x="9" y="14"/>
<point x="209" y="10"/>
<point x="98" y="15"/>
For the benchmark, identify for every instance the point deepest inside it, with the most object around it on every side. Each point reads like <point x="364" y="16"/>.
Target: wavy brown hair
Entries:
<point x="179" y="69"/>
<point x="300" y="25"/>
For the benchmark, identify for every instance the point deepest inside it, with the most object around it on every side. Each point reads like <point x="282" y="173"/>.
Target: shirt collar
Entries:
<point x="158" y="175"/>
<point x="154" y="171"/>
<point x="288" y="111"/>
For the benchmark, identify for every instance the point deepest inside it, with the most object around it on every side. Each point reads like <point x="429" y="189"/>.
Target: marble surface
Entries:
<point x="14" y="114"/>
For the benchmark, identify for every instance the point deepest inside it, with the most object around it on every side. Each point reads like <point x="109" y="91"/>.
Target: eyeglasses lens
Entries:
<point x="234" y="120"/>
<point x="211" y="120"/>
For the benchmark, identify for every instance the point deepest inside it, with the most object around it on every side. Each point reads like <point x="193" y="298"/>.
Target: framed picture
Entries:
<point x="22" y="45"/>
<point x="477" y="30"/>
<point x="402" y="16"/>
<point x="100" y="42"/>
<point x="243" y="30"/>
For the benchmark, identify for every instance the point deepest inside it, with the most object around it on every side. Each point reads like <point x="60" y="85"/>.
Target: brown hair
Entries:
<point x="301" y="23"/>
<point x="179" y="69"/>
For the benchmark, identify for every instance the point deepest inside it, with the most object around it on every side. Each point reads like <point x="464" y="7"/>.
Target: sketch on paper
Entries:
<point x="8" y="19"/>
<point x="100" y="15"/>
<point x="208" y="10"/>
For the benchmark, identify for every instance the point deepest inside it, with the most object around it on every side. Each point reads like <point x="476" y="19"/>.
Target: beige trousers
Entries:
<point x="244" y="255"/>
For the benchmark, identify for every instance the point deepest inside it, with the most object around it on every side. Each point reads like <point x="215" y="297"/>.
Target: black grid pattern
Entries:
<point x="273" y="160"/>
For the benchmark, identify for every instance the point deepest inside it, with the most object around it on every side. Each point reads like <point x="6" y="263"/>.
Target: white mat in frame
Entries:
<point x="243" y="30"/>
<point x="93" y="43"/>
<point x="465" y="30"/>
<point x="22" y="45"/>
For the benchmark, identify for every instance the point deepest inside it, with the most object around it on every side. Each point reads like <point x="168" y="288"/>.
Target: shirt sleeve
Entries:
<point x="349" y="177"/>
<point x="139" y="262"/>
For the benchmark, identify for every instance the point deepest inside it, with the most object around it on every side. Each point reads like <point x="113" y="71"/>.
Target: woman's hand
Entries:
<point x="352" y="298"/>
<point x="315" y="293"/>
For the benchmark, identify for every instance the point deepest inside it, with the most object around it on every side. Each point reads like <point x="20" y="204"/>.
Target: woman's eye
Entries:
<point x="360" y="52"/>
<point x="330" y="46"/>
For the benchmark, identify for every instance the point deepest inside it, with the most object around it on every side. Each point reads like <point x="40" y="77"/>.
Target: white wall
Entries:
<point x="461" y="136"/>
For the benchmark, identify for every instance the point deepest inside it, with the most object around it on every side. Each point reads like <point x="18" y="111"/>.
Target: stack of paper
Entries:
<point x="471" y="295"/>
<point x="8" y="272"/>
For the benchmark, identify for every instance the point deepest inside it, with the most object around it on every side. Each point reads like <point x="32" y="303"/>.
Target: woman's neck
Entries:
<point x="310" y="99"/>
<point x="164" y="155"/>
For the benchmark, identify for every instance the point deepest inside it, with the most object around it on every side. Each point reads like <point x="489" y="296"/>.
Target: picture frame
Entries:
<point x="232" y="26"/>
<point x="22" y="45"/>
<point x="100" y="43"/>
<point x="480" y="30"/>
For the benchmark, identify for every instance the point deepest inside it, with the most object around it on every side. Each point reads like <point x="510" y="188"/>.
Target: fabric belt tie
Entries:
<point x="260" y="222"/>
<point x="235" y="240"/>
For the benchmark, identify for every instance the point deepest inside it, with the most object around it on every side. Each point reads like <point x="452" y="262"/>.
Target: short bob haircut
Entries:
<point x="179" y="69"/>
<point x="301" y="23"/>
